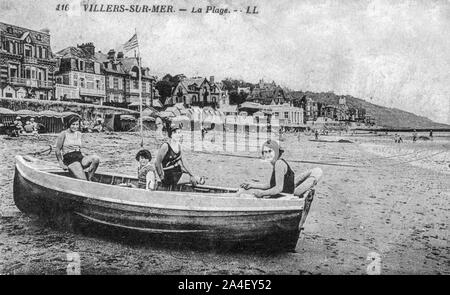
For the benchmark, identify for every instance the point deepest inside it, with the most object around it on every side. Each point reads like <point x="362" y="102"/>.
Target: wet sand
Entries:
<point x="381" y="197"/>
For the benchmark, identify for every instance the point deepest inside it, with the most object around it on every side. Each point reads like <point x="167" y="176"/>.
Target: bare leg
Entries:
<point x="90" y="163"/>
<point x="307" y="180"/>
<point x="77" y="170"/>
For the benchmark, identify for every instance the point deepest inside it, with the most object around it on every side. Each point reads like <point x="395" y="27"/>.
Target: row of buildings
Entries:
<point x="29" y="69"/>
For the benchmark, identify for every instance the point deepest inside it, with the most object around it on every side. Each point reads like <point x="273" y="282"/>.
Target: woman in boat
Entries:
<point x="68" y="151"/>
<point x="169" y="163"/>
<point x="282" y="180"/>
<point x="283" y="177"/>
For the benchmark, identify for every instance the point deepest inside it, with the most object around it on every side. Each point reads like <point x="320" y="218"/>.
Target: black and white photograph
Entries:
<point x="219" y="137"/>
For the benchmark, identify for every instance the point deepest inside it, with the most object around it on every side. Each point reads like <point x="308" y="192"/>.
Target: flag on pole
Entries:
<point x="131" y="44"/>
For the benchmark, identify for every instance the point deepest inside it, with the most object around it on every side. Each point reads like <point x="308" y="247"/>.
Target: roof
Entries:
<point x="191" y="81"/>
<point x="19" y="32"/>
<point x="103" y="58"/>
<point x="128" y="63"/>
<point x="74" y="52"/>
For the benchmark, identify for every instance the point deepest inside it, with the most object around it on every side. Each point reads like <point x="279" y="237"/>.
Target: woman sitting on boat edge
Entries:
<point x="283" y="177"/>
<point x="169" y="163"/>
<point x="68" y="151"/>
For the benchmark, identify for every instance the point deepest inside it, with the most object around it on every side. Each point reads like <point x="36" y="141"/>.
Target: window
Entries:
<point x="143" y="86"/>
<point x="75" y="79"/>
<point x="38" y="37"/>
<point x="27" y="51"/>
<point x="13" y="71"/>
<point x="40" y="51"/>
<point x="80" y="65"/>
<point x="81" y="82"/>
<point x="97" y="84"/>
<point x="286" y="115"/>
<point x="116" y="83"/>
<point x="44" y="53"/>
<point x="135" y="84"/>
<point x="120" y="86"/>
<point x="97" y="68"/>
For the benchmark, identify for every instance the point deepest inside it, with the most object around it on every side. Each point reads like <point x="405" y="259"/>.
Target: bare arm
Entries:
<point x="280" y="171"/>
<point x="58" y="149"/>
<point x="263" y="186"/>
<point x="158" y="162"/>
<point x="185" y="169"/>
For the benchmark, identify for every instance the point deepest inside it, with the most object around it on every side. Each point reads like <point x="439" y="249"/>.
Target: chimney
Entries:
<point x="111" y="54"/>
<point x="211" y="79"/>
<point x="120" y="54"/>
<point x="88" y="47"/>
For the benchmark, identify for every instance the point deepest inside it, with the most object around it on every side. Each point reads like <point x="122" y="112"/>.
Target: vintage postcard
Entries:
<point x="247" y="137"/>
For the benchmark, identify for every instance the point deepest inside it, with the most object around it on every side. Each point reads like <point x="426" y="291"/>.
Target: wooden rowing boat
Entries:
<point x="194" y="215"/>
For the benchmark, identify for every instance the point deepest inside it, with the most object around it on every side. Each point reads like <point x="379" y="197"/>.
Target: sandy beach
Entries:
<point x="375" y="196"/>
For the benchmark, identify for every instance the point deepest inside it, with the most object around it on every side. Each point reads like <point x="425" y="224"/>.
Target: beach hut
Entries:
<point x="52" y="121"/>
<point x="151" y="112"/>
<point x="127" y="123"/>
<point x="7" y="116"/>
<point x="166" y="114"/>
<point x="127" y="118"/>
<point x="157" y="104"/>
<point x="174" y="110"/>
<point x="26" y="114"/>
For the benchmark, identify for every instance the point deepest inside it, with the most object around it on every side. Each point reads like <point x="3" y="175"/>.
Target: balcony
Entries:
<point x="29" y="82"/>
<point x="93" y="92"/>
<point x="18" y="81"/>
<point x="30" y="60"/>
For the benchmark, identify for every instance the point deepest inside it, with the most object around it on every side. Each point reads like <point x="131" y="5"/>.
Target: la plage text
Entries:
<point x="135" y="8"/>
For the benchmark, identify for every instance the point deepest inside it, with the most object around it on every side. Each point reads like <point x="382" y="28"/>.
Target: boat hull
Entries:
<point x="211" y="226"/>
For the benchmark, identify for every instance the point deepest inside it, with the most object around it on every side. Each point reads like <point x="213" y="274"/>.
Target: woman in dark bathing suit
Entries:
<point x="169" y="163"/>
<point x="283" y="177"/>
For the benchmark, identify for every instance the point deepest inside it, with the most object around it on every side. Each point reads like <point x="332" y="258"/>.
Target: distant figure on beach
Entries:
<point x="316" y="134"/>
<point x="169" y="163"/>
<point x="28" y="128"/>
<point x="18" y="126"/>
<point x="283" y="177"/>
<point x="431" y="134"/>
<point x="414" y="135"/>
<point x="68" y="151"/>
<point x="35" y="125"/>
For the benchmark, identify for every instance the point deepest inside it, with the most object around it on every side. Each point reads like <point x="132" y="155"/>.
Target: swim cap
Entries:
<point x="275" y="146"/>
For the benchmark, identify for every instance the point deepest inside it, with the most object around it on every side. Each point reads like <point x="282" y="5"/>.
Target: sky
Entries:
<point x="391" y="53"/>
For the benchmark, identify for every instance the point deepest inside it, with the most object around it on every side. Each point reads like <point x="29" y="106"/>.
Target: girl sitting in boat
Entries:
<point x="169" y="163"/>
<point x="283" y="177"/>
<point x="146" y="171"/>
<point x="68" y="151"/>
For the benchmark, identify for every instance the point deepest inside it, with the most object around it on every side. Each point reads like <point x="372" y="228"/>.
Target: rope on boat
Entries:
<point x="289" y="160"/>
<point x="49" y="149"/>
<point x="323" y="163"/>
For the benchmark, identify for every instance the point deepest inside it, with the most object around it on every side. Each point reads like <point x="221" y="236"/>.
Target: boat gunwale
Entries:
<point x="298" y="207"/>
